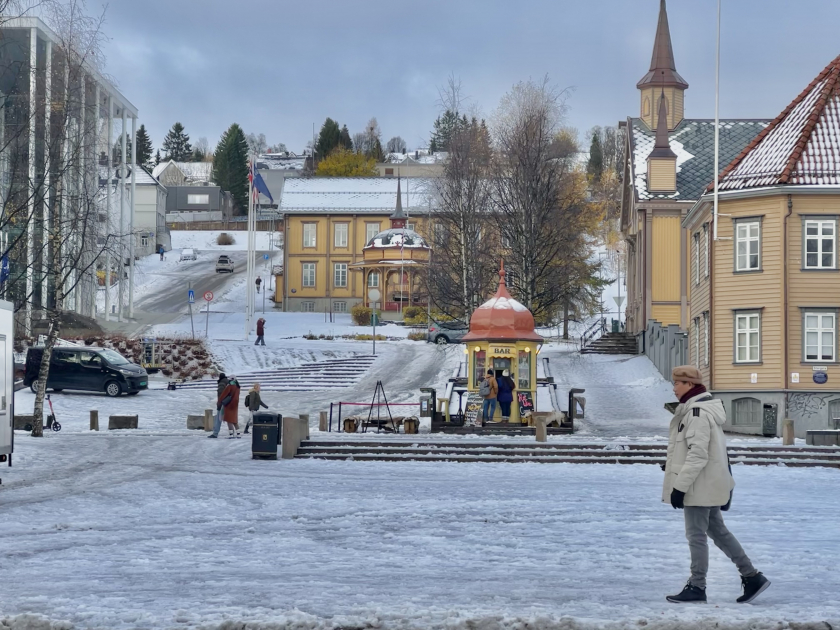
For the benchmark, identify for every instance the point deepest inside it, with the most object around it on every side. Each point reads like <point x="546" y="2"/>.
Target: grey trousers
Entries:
<point x="703" y="522"/>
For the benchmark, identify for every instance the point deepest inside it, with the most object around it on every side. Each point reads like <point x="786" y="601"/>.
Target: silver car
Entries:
<point x="446" y="332"/>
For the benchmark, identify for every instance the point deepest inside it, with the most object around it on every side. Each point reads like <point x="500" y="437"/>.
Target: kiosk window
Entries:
<point x="478" y="370"/>
<point x="523" y="370"/>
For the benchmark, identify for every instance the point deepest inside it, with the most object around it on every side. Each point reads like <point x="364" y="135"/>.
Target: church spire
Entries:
<point x="662" y="146"/>
<point x="398" y="217"/>
<point x="663" y="68"/>
<point x="662" y="161"/>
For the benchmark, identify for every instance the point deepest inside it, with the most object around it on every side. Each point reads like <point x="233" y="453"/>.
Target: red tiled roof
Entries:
<point x="801" y="146"/>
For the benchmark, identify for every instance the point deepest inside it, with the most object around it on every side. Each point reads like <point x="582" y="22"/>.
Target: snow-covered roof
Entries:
<point x="398" y="237"/>
<point x="142" y="178"/>
<point x="694" y="143"/>
<point x="192" y="171"/>
<point x="283" y="161"/>
<point x="501" y="302"/>
<point x="418" y="156"/>
<point x="800" y="147"/>
<point x="363" y="195"/>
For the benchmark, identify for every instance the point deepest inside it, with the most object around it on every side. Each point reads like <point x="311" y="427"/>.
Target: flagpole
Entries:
<point x="248" y="261"/>
<point x="717" y="127"/>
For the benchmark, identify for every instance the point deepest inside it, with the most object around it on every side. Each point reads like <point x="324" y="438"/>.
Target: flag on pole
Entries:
<point x="258" y="183"/>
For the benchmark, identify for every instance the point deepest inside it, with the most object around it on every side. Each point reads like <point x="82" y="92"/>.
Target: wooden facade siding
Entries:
<point x="666" y="260"/>
<point x="666" y="313"/>
<point x="662" y="174"/>
<point x="700" y="303"/>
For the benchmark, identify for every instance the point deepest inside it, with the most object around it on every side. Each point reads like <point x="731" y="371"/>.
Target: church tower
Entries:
<point x="662" y="78"/>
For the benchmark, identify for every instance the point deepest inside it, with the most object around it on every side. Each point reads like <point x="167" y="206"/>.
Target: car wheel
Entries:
<point x="33" y="387"/>
<point x="441" y="340"/>
<point x="113" y="389"/>
<point x="133" y="393"/>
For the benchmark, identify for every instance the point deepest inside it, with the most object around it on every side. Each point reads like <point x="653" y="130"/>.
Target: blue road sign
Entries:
<point x="191" y="297"/>
<point x="265" y="256"/>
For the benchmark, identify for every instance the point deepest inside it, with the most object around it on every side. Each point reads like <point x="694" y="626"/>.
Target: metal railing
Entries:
<point x="598" y="328"/>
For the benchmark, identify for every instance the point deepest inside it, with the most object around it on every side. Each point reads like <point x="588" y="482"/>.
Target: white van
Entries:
<point x="187" y="254"/>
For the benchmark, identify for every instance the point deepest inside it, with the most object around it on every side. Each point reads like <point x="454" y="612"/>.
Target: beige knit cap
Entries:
<point x="687" y="374"/>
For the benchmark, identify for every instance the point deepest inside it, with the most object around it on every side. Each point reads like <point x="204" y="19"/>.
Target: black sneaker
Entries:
<point x="212" y="436"/>
<point x="689" y="595"/>
<point x="753" y="586"/>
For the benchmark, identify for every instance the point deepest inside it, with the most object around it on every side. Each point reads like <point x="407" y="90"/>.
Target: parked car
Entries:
<point x="224" y="264"/>
<point x="446" y="332"/>
<point x="86" y="368"/>
<point x="187" y="254"/>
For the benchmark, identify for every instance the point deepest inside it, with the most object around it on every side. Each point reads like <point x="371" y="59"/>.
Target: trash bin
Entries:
<point x="615" y="324"/>
<point x="374" y="320"/>
<point x="266" y="434"/>
<point x="770" y="421"/>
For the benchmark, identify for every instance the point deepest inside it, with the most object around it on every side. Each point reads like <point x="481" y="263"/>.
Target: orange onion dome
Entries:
<point x="501" y="318"/>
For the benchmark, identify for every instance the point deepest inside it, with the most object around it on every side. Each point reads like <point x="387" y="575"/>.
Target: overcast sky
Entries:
<point x="278" y="66"/>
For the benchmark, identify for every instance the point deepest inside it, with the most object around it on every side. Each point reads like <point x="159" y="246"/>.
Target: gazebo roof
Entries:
<point x="501" y="318"/>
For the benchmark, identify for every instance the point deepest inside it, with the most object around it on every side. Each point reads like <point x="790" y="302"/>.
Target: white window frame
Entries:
<point x="819" y="238"/>
<point x="339" y="307"/>
<point x="706" y="338"/>
<point x="821" y="329"/>
<point x="697" y="342"/>
<point x="411" y="226"/>
<point x="697" y="258"/>
<point x="706" y="253"/>
<point x="310" y="235"/>
<point x="371" y="230"/>
<point x="198" y="200"/>
<point x="344" y="232"/>
<point x="748" y="331"/>
<point x="340" y="275"/>
<point x="307" y="307"/>
<point x="308" y="269"/>
<point x="373" y="279"/>
<point x="144" y="241"/>
<point x="748" y="239"/>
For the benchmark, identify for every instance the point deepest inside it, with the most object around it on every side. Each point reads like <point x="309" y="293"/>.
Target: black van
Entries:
<point x="90" y="369"/>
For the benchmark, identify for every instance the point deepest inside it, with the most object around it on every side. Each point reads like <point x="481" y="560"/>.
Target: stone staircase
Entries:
<point x="406" y="449"/>
<point x="333" y="374"/>
<point x="612" y="343"/>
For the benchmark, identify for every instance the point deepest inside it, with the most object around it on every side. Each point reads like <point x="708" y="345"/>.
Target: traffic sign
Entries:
<point x="619" y="300"/>
<point x="265" y="256"/>
<point x="191" y="296"/>
<point x="208" y="295"/>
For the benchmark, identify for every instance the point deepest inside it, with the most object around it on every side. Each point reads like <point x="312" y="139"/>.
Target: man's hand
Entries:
<point x="677" y="498"/>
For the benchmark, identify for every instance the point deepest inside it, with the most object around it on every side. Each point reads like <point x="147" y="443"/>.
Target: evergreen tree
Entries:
<point x="344" y="139"/>
<point x="595" y="166"/>
<point x="328" y="139"/>
<point x="176" y="144"/>
<point x="445" y="127"/>
<point x="157" y="157"/>
<point x="198" y="155"/>
<point x="117" y="153"/>
<point x="144" y="146"/>
<point x="230" y="166"/>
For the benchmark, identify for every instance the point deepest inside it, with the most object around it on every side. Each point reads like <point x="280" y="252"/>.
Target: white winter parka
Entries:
<point x="697" y="463"/>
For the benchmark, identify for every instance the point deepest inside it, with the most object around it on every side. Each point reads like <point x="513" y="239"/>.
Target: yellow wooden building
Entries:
<point x="766" y="293"/>
<point x="329" y="222"/>
<point x="670" y="162"/>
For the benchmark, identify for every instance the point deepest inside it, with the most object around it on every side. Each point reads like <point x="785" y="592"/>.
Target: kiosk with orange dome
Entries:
<point x="502" y="337"/>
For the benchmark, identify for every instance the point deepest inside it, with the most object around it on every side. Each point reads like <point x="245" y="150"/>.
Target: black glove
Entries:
<point x="677" y="498"/>
<point x="662" y="466"/>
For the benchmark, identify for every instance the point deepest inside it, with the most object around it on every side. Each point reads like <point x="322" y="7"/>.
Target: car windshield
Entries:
<point x="114" y="358"/>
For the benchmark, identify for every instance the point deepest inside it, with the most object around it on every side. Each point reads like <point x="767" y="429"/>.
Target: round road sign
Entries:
<point x="208" y="295"/>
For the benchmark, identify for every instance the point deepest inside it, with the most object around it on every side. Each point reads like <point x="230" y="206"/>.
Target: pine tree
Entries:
<point x="176" y="144"/>
<point x="345" y="140"/>
<point x="595" y="167"/>
<point x="230" y="166"/>
<point x="144" y="146"/>
<point x="157" y="157"/>
<point x="198" y="155"/>
<point x="328" y="139"/>
<point x="445" y="127"/>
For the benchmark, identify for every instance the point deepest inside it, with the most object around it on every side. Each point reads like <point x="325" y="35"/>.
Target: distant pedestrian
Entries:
<point x="221" y="384"/>
<point x="258" y="282"/>
<point x="260" y="332"/>
<point x="160" y="251"/>
<point x="229" y="402"/>
<point x="699" y="481"/>
<point x="506" y="387"/>
<point x="253" y="402"/>
<point x="488" y="390"/>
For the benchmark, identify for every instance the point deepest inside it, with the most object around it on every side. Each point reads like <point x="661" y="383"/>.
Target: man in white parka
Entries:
<point x="698" y="480"/>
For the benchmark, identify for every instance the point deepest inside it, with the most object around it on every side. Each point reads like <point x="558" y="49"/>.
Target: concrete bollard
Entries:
<point x="208" y="419"/>
<point x="542" y="432"/>
<point x="322" y="421"/>
<point x="305" y="422"/>
<point x="787" y="432"/>
<point x="195" y="421"/>
<point x="293" y="432"/>
<point x="122" y="422"/>
<point x="94" y="420"/>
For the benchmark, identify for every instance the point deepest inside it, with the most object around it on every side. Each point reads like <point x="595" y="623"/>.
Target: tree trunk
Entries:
<point x="566" y="320"/>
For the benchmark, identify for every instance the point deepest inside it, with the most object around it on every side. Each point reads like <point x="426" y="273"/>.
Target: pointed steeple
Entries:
<point x="398" y="218"/>
<point x="662" y="146"/>
<point x="663" y="69"/>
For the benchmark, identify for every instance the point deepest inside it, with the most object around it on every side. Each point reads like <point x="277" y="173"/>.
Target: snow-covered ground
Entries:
<point x="206" y="240"/>
<point x="130" y="531"/>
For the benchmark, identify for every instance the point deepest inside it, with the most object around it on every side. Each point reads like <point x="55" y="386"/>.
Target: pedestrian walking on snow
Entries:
<point x="258" y="282"/>
<point x="260" y="332"/>
<point x="253" y="401"/>
<point x="160" y="251"/>
<point x="489" y="390"/>
<point x="217" y="419"/>
<point x="698" y="481"/>
<point x="229" y="402"/>
<point x="506" y="387"/>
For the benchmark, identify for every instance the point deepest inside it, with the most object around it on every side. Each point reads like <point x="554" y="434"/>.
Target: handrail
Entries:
<point x="598" y="328"/>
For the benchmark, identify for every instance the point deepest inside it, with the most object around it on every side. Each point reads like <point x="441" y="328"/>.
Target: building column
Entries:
<point x="132" y="237"/>
<point x="48" y="205"/>
<point x="79" y="293"/>
<point x="109" y="152"/>
<point x="121" y="267"/>
<point x="647" y="312"/>
<point x="30" y="206"/>
<point x="95" y="188"/>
